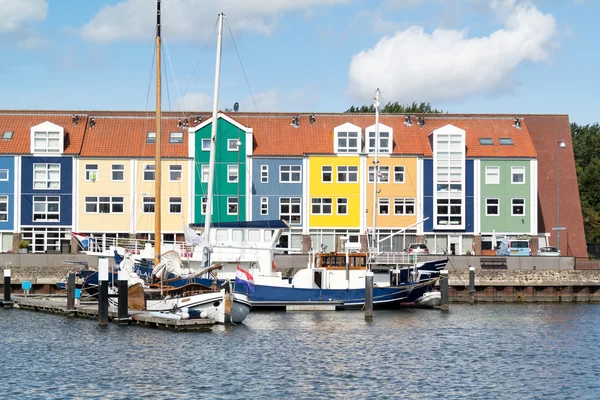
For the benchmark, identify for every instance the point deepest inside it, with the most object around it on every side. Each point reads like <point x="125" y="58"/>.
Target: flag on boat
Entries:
<point x="84" y="240"/>
<point x="244" y="278"/>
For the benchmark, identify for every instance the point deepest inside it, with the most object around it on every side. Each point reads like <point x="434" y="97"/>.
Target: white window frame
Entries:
<point x="347" y="174"/>
<point x="4" y="208"/>
<point x="385" y="140"/>
<point x="47" y="141"/>
<point x="233" y="174"/>
<point x="325" y="172"/>
<point x="513" y="205"/>
<point x="176" y="137"/>
<point x="515" y="171"/>
<point x="290" y="171"/>
<point x="98" y="201"/>
<point x="148" y="202"/>
<point x="205" y="143"/>
<point x="343" y="140"/>
<point x="384" y="174"/>
<point x="399" y="170"/>
<point x="151" y="138"/>
<point x="264" y="206"/>
<point x="449" y="215"/>
<point x="292" y="203"/>
<point x="233" y="201"/>
<point x="116" y="169"/>
<point x="149" y="169"/>
<point x="403" y="204"/>
<point x="342" y="202"/>
<point x="204" y="173"/>
<point x="382" y="204"/>
<point x="264" y="173"/>
<point x="91" y="172"/>
<point x="488" y="205"/>
<point x="47" y="181"/>
<point x="175" y="172"/>
<point x="174" y="202"/>
<point x="321" y="206"/>
<point x="203" y="204"/>
<point x="489" y="174"/>
<point x="46" y="202"/>
<point x="3" y="175"/>
<point x="235" y="146"/>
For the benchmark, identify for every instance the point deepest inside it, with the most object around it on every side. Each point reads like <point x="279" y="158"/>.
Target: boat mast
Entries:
<point x="157" y="162"/>
<point x="213" y="135"/>
<point x="375" y="170"/>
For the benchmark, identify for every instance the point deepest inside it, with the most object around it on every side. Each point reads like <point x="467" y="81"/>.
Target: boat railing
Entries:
<point x="393" y="258"/>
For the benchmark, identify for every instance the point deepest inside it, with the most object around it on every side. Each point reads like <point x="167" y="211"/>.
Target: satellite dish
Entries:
<point x="236" y="106"/>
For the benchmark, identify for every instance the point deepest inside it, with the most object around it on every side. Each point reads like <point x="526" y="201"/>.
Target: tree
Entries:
<point x="397" y="108"/>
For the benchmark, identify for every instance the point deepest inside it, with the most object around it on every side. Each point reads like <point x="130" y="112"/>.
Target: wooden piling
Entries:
<point x="71" y="291"/>
<point x="103" y="292"/>
<point x="227" y="303"/>
<point x="123" y="316"/>
<point x="7" y="303"/>
<point x="368" y="294"/>
<point x="471" y="284"/>
<point x="444" y="290"/>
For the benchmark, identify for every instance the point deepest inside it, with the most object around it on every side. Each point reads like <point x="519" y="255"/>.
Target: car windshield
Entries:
<point x="549" y="249"/>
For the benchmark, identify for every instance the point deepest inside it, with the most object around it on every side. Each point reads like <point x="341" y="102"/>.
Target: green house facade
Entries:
<point x="230" y="191"/>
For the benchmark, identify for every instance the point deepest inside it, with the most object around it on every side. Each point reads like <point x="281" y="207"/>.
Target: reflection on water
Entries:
<point x="474" y="351"/>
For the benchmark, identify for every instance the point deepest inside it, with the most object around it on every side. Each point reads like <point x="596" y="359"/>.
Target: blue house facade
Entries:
<point x="7" y="202"/>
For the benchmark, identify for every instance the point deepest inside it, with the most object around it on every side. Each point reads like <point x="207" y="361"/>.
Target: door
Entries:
<point x="454" y="245"/>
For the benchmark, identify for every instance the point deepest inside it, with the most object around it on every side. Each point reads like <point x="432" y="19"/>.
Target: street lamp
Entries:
<point x="561" y="145"/>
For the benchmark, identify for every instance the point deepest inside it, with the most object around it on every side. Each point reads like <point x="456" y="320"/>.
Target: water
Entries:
<point x="513" y="351"/>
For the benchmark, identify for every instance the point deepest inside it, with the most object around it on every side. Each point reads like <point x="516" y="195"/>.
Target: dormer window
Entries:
<point x="47" y="138"/>
<point x="347" y="139"/>
<point x="151" y="137"/>
<point x="385" y="139"/>
<point x="7" y="135"/>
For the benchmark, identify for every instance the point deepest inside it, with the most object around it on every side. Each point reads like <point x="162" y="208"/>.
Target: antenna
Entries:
<point x="75" y="119"/>
<point x="236" y="106"/>
<point x="312" y="119"/>
<point x="92" y="122"/>
<point x="295" y="122"/>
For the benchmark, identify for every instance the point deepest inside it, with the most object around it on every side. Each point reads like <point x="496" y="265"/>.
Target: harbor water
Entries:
<point x="481" y="351"/>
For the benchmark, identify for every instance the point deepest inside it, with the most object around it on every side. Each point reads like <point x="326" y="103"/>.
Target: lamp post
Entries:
<point x="561" y="145"/>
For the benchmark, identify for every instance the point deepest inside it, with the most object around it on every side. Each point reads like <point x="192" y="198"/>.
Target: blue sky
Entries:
<point x="471" y="56"/>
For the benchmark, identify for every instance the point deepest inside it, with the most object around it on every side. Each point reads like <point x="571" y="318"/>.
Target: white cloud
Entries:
<point x="17" y="14"/>
<point x="189" y="19"/>
<point x="413" y="65"/>
<point x="195" y="102"/>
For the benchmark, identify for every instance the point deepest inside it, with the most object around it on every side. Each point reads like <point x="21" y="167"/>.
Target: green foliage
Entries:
<point x="23" y="244"/>
<point x="397" y="108"/>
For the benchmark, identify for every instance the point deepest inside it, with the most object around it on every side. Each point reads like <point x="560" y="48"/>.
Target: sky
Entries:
<point x="462" y="56"/>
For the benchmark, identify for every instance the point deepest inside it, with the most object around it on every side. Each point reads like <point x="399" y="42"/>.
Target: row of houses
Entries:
<point x="457" y="182"/>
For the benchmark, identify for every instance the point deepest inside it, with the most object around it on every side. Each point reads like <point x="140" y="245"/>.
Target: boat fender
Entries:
<point x="203" y="315"/>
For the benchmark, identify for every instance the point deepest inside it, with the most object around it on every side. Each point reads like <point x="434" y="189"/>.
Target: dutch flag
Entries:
<point x="84" y="240"/>
<point x="244" y="278"/>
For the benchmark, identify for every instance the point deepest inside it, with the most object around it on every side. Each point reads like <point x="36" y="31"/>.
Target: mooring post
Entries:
<point x="103" y="292"/>
<point x="7" y="301"/>
<point x="369" y="294"/>
<point x="471" y="284"/>
<point x="444" y="289"/>
<point x="123" y="300"/>
<point x="227" y="303"/>
<point x="71" y="291"/>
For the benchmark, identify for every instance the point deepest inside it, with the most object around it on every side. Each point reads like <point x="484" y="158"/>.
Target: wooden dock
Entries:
<point x="90" y="310"/>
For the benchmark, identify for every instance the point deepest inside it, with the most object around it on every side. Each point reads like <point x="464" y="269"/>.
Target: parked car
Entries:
<point x="514" y="247"/>
<point x="417" y="248"/>
<point x="548" y="251"/>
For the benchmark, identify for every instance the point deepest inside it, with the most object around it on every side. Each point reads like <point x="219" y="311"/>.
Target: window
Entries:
<point x="342" y="206"/>
<point x="3" y="174"/>
<point x="518" y="175"/>
<point x="322" y="206"/>
<point x="326" y="173"/>
<point x="399" y="174"/>
<point x="486" y="141"/>
<point x="232" y="173"/>
<point x="91" y="172"/>
<point x="3" y="208"/>
<point x="205" y="144"/>
<point x="518" y="207"/>
<point x="118" y="172"/>
<point x="148" y="205"/>
<point x="46" y="208"/>
<point x="505" y="141"/>
<point x="384" y="206"/>
<point x="151" y="137"/>
<point x="104" y="205"/>
<point x="264" y="206"/>
<point x="149" y="172"/>
<point x="449" y="212"/>
<point x="347" y="174"/>
<point x="175" y="173"/>
<point x="404" y="206"/>
<point x="290" y="173"/>
<point x="46" y="176"/>
<point x="204" y="203"/>
<point x="384" y="142"/>
<point x="46" y="142"/>
<point x="289" y="210"/>
<point x="232" y="206"/>
<point x="492" y="207"/>
<point x="383" y="175"/>
<point x="176" y="137"/>
<point x="232" y="144"/>
<point x="7" y="135"/>
<point x="492" y="175"/>
<point x="264" y="174"/>
<point x="204" y="171"/>
<point x="347" y="142"/>
<point x="175" y="205"/>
